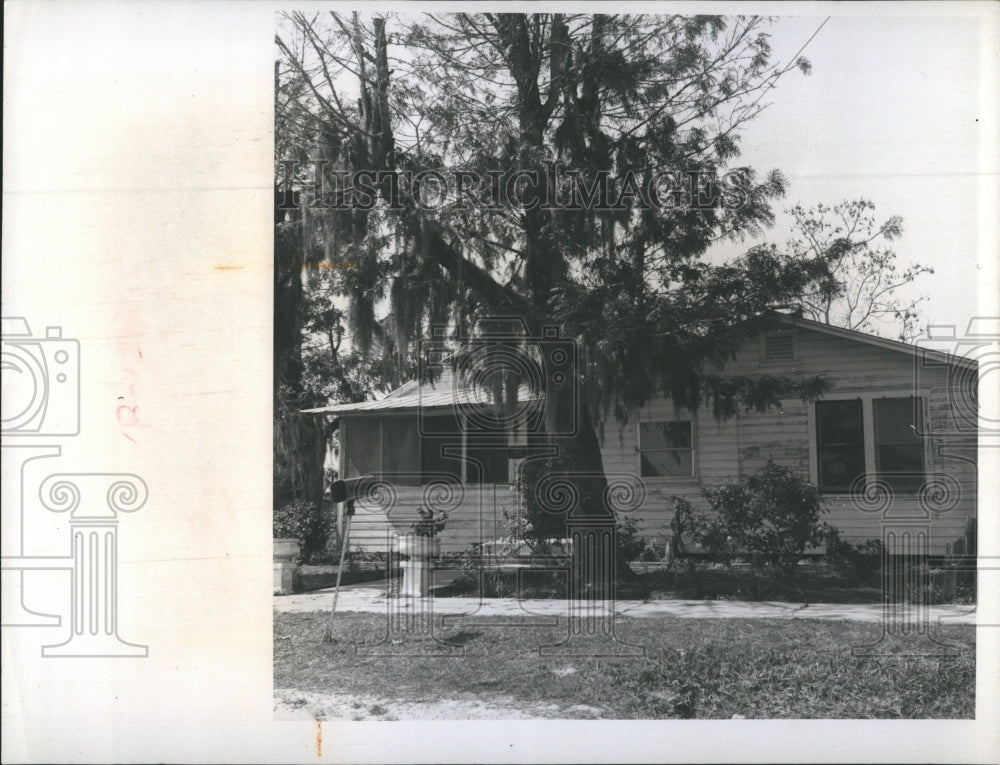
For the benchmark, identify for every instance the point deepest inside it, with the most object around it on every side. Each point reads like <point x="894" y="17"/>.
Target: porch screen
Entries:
<point x="899" y="450"/>
<point x="361" y="440"/>
<point x="840" y="444"/>
<point x="440" y="438"/>
<point x="401" y="449"/>
<point x="487" y="449"/>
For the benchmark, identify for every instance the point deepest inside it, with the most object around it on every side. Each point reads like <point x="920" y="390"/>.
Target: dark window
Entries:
<point x="899" y="450"/>
<point x="840" y="444"/>
<point x="666" y="449"/>
<point x="778" y="348"/>
<point x="441" y="448"/>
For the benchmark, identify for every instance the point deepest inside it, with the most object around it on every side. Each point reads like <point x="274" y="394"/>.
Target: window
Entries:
<point x="870" y="436"/>
<point x="666" y="449"/>
<point x="899" y="450"/>
<point x="840" y="444"/>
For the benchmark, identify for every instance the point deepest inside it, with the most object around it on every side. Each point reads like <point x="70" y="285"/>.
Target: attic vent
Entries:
<point x="778" y="348"/>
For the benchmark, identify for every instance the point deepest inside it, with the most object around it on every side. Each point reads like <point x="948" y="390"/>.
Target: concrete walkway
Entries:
<point x="371" y="597"/>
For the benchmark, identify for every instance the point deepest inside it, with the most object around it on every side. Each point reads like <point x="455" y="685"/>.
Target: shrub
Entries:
<point x="768" y="519"/>
<point x="861" y="560"/>
<point x="306" y="522"/>
<point x="630" y="544"/>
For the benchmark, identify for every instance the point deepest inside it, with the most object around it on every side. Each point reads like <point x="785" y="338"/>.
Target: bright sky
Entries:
<point x="891" y="113"/>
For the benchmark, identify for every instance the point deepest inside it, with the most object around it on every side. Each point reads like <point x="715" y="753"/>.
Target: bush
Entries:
<point x="310" y="524"/>
<point x="861" y="560"/>
<point x="768" y="520"/>
<point x="630" y="545"/>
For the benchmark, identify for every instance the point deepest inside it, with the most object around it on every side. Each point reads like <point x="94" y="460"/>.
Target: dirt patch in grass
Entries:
<point x="691" y="668"/>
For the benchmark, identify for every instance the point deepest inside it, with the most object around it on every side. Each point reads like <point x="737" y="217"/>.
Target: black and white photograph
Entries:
<point x="500" y="382"/>
<point x="621" y="370"/>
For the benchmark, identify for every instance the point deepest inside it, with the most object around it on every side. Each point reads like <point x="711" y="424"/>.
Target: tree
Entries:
<point x="861" y="290"/>
<point x="594" y="111"/>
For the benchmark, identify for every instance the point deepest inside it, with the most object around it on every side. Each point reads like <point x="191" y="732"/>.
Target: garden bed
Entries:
<point x="812" y="582"/>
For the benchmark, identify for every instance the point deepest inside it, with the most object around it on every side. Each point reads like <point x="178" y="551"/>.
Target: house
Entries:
<point x="899" y="414"/>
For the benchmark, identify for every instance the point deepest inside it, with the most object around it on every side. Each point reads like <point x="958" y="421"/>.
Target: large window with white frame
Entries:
<point x="870" y="436"/>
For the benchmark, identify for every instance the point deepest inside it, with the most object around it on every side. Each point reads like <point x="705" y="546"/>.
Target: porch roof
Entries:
<point x="444" y="392"/>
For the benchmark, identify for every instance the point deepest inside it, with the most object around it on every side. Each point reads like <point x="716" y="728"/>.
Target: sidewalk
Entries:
<point x="371" y="597"/>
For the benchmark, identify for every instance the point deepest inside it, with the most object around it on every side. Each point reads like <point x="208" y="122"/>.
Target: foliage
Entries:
<point x="306" y="522"/>
<point x="626" y="98"/>
<point x="767" y="520"/>
<point x="630" y="544"/>
<point x="861" y="291"/>
<point x="861" y="559"/>
<point x="430" y="524"/>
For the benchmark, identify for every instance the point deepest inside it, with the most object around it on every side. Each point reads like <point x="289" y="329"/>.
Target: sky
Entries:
<point x="891" y="112"/>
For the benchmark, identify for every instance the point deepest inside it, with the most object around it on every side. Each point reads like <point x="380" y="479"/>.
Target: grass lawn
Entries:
<point x="693" y="668"/>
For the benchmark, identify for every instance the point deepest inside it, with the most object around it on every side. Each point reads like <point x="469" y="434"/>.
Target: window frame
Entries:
<point x="692" y="421"/>
<point x="868" y="424"/>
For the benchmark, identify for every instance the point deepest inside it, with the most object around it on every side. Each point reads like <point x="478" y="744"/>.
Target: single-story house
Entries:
<point x="894" y="412"/>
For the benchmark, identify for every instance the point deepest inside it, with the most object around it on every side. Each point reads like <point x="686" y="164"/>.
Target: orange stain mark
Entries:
<point x="229" y="268"/>
<point x="319" y="739"/>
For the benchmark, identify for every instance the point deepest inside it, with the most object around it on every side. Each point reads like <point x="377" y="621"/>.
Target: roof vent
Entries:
<point x="778" y="348"/>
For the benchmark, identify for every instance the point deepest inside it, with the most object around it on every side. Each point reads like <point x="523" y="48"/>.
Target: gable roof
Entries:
<point x="421" y="395"/>
<point x="914" y="351"/>
<point x="443" y="392"/>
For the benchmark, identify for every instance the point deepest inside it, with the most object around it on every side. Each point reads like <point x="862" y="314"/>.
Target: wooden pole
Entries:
<point x="343" y="552"/>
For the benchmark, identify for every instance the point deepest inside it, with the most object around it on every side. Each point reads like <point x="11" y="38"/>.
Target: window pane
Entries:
<point x="840" y="466"/>
<point x="665" y="435"/>
<point x="900" y="458"/>
<point x="839" y="422"/>
<point x="400" y="448"/>
<point x="897" y="420"/>
<point x="668" y="463"/>
<point x="361" y="445"/>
